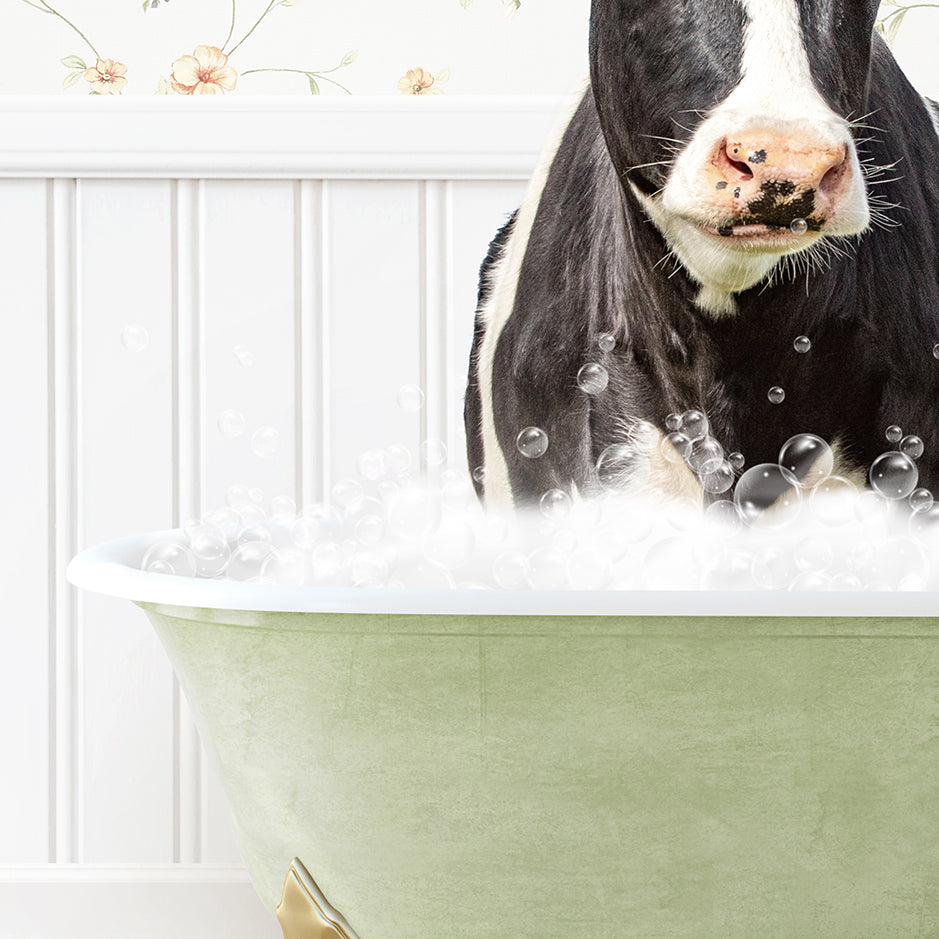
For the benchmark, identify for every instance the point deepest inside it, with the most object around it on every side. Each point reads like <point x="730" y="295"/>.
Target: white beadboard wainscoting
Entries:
<point x="295" y="261"/>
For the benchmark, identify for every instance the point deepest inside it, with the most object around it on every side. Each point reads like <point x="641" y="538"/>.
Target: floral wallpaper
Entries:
<point x="301" y="47"/>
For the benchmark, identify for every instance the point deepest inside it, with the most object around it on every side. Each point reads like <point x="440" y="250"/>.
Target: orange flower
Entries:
<point x="417" y="82"/>
<point x="107" y="76"/>
<point x="205" y="72"/>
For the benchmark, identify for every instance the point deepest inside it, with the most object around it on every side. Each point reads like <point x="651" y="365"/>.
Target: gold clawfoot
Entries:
<point x="303" y="911"/>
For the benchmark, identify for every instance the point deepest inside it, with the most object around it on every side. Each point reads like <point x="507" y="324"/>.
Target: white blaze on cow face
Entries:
<point x="771" y="153"/>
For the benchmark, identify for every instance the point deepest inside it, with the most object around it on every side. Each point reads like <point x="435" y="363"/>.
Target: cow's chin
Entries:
<point x="726" y="264"/>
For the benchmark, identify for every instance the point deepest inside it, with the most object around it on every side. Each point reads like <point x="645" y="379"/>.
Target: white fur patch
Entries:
<point x="498" y="308"/>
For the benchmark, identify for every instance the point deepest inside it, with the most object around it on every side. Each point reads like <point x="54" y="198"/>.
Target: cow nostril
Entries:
<point x="742" y="168"/>
<point x="733" y="170"/>
<point x="829" y="182"/>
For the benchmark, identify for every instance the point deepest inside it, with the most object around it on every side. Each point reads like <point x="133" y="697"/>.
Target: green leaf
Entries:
<point x="164" y="87"/>
<point x="314" y="88"/>
<point x="895" y="24"/>
<point x="72" y="78"/>
<point x="465" y="3"/>
<point x="146" y="5"/>
<point x="442" y="76"/>
<point x="74" y="61"/>
<point x="349" y="57"/>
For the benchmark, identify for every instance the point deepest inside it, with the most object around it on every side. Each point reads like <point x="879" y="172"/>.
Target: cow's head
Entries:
<point x="731" y="120"/>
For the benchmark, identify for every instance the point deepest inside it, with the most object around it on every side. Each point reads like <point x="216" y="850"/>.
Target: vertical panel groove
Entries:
<point x="322" y="338"/>
<point x="187" y="371"/>
<point x="64" y="638"/>
<point x="51" y="552"/>
<point x="434" y="295"/>
<point x="310" y="406"/>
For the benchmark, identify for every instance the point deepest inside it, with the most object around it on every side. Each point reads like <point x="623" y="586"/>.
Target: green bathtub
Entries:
<point x="643" y="771"/>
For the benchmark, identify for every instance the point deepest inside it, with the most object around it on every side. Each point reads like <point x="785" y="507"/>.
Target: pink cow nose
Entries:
<point x="764" y="174"/>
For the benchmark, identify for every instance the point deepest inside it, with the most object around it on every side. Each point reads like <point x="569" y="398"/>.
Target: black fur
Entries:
<point x="592" y="267"/>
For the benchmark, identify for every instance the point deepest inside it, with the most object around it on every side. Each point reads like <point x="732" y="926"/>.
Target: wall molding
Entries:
<point x="99" y="902"/>
<point x="441" y="137"/>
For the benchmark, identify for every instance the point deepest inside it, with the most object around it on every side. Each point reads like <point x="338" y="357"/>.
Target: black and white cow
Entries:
<point x="739" y="173"/>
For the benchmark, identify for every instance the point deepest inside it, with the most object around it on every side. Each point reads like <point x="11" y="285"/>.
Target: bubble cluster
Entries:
<point x="788" y="525"/>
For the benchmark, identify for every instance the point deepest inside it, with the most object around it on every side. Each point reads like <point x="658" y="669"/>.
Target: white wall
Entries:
<point x="343" y="259"/>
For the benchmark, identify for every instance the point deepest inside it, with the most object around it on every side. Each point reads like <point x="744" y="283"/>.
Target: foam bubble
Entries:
<point x="532" y="442"/>
<point x="593" y="378"/>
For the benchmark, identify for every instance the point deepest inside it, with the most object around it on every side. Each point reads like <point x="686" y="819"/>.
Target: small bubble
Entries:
<point x="169" y="557"/>
<point x="555" y="504"/>
<point x="935" y="351"/>
<point x="802" y="344"/>
<point x="768" y="495"/>
<point x="433" y="452"/>
<point x="244" y="355"/>
<point x="283" y="510"/>
<point x="253" y="534"/>
<point x="912" y="446"/>
<point x="288" y="566"/>
<point x="675" y="447"/>
<point x="894" y="475"/>
<point x="347" y="494"/>
<point x="211" y="551"/>
<point x="812" y="554"/>
<point x="410" y="398"/>
<point x="693" y="424"/>
<point x="479" y="474"/>
<point x="231" y="424"/>
<point x="265" y="442"/>
<point x="248" y="559"/>
<point x="399" y="459"/>
<point x="894" y="433"/>
<point x="593" y="378"/>
<point x="237" y="497"/>
<point x="370" y="529"/>
<point x="373" y="465"/>
<point x="135" y="337"/>
<point x="673" y="422"/>
<point x="776" y="395"/>
<point x="369" y="569"/>
<point x="808" y="458"/>
<point x="622" y="464"/>
<point x="706" y="456"/>
<point x="719" y="479"/>
<point x="833" y="500"/>
<point x="920" y="499"/>
<point x="736" y="460"/>
<point x="532" y="442"/>
<point x="799" y="226"/>
<point x="607" y="341"/>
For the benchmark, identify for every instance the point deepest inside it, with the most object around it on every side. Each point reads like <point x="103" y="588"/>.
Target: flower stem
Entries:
<point x="270" y="7"/>
<point x="301" y="71"/>
<point x="231" y="28"/>
<point x="49" y="9"/>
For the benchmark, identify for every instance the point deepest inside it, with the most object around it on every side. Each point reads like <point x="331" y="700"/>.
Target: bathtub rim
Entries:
<point x="109" y="568"/>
